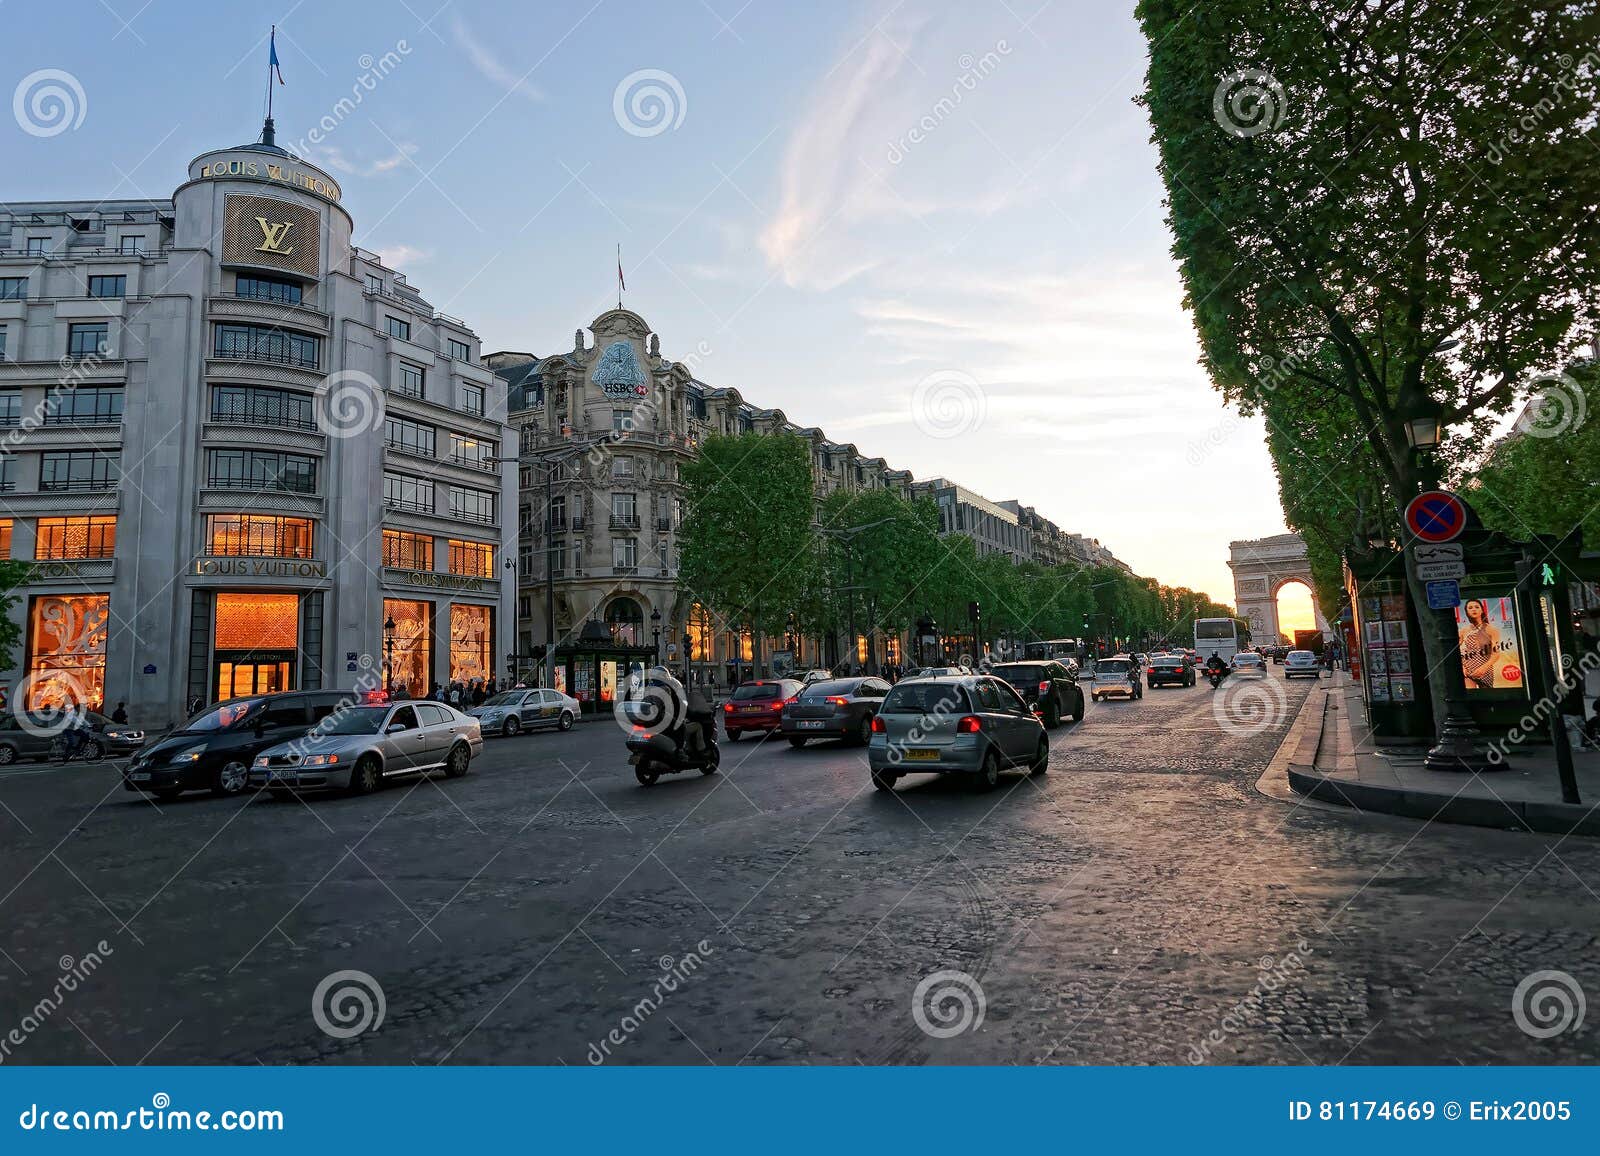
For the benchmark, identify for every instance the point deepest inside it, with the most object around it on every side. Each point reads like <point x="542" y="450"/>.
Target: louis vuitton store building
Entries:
<point x="240" y="454"/>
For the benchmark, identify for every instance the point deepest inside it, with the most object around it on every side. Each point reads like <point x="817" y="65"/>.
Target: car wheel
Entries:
<point x="511" y="727"/>
<point x="8" y="755"/>
<point x="734" y="736"/>
<point x="1052" y="714"/>
<point x="989" y="772"/>
<point x="646" y="778"/>
<point x="1095" y="697"/>
<point x="459" y="760"/>
<point x="231" y="778"/>
<point x="1041" y="757"/>
<point x="91" y="751"/>
<point x="364" y="779"/>
<point x="1077" y="707"/>
<point x="863" y="735"/>
<point x="565" y="722"/>
<point x="884" y="780"/>
<point x="797" y="741"/>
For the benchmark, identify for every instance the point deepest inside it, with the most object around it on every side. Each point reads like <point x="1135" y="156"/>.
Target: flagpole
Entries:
<point x="272" y="39"/>
<point x="619" y="274"/>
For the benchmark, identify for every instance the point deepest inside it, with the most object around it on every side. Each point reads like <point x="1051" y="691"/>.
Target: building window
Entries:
<point x="116" y="286"/>
<point x="10" y="408"/>
<point x="558" y="557"/>
<point x="88" y="339"/>
<point x="132" y="246"/>
<point x="374" y="283"/>
<point x="478" y="453"/>
<point x="67" y="651"/>
<point x="85" y="405"/>
<point x="262" y="343"/>
<point x="471" y="640"/>
<point x="8" y="482"/>
<point x="621" y="421"/>
<point x="624" y="511"/>
<point x="268" y="289"/>
<point x="13" y="288"/>
<point x="407" y="551"/>
<point x="36" y="246"/>
<point x="78" y="470"/>
<point x="410" y="382"/>
<point x="2" y="342"/>
<point x="558" y="512"/>
<point x="472" y="399"/>
<point x="472" y="559"/>
<point x="408" y="436"/>
<point x="410" y="658"/>
<point x="258" y="536"/>
<point x="458" y="350"/>
<point x="260" y="405"/>
<point x="471" y="505"/>
<point x="5" y="538"/>
<point x="624" y="553"/>
<point x="261" y="470"/>
<point x="61" y="539"/>
<point x="622" y="467"/>
<point x="395" y="327"/>
<point x="401" y="492"/>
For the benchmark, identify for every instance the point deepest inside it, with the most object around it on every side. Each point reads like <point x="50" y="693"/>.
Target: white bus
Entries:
<point x="1060" y="649"/>
<point x="1220" y="636"/>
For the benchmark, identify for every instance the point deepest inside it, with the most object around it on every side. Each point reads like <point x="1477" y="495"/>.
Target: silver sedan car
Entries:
<point x="970" y="725"/>
<point x="360" y="748"/>
<point x="513" y="711"/>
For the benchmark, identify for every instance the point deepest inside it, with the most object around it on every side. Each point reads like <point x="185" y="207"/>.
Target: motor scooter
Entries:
<point x="665" y="752"/>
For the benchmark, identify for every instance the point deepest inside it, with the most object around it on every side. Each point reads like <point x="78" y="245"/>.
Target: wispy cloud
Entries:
<point x="330" y="157"/>
<point x="489" y="66"/>
<point x="399" y="256"/>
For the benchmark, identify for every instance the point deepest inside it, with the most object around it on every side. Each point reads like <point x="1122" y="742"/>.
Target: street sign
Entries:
<point x="1444" y="552"/>
<point x="1436" y="516"/>
<point x="1444" y="595"/>
<point x="149" y="668"/>
<point x="1441" y="570"/>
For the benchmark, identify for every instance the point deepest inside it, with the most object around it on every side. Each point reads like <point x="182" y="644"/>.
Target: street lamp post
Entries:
<point x="388" y="654"/>
<point x="655" y="630"/>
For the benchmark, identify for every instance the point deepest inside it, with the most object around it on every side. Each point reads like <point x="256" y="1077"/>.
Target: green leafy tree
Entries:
<point x="1390" y="176"/>
<point x="12" y="576"/>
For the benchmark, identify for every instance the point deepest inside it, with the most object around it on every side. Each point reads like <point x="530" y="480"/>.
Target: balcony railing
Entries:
<point x="474" y="463"/>
<point x="663" y="524"/>
<point x="409" y="505"/>
<point x="251" y="417"/>
<point x="479" y="516"/>
<point x="414" y="450"/>
<point x="275" y="356"/>
<point x="76" y="419"/>
<point x="267" y="485"/>
<point x="578" y="523"/>
<point x="624" y="521"/>
<point x="77" y="485"/>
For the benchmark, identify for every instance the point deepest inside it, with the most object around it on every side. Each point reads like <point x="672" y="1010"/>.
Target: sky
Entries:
<point x="933" y="229"/>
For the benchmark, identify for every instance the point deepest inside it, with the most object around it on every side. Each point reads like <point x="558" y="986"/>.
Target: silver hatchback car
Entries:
<point x="361" y="747"/>
<point x="970" y="725"/>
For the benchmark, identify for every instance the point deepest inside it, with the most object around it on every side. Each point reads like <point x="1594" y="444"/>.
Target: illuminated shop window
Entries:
<point x="67" y="651"/>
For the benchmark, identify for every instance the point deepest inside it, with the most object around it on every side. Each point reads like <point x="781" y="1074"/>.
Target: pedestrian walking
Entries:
<point x="120" y="715"/>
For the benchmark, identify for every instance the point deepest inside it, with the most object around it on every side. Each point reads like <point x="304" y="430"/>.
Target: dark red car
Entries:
<point x="758" y="705"/>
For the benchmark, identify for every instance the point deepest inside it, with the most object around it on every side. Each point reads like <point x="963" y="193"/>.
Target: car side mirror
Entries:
<point x="394" y="728"/>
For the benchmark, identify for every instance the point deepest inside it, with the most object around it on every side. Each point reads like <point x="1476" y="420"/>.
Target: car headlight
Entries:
<point x="319" y="760"/>
<point x="261" y="761"/>
<point x="190" y="754"/>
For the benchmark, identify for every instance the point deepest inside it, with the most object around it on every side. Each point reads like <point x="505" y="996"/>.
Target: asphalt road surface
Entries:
<point x="1141" y="902"/>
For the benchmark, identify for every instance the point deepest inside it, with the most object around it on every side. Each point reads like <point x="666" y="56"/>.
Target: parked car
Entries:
<point x="1118" y="675"/>
<point x="40" y="738"/>
<point x="841" y="708"/>
<point x="757" y="706"/>
<point x="513" y="711"/>
<point x="214" y="750"/>
<point x="807" y="677"/>
<point x="967" y="725"/>
<point x="1165" y="669"/>
<point x="1049" y="688"/>
<point x="1249" y="664"/>
<point x="1302" y="662"/>
<point x="363" y="747"/>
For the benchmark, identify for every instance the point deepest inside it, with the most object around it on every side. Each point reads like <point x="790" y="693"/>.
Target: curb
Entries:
<point x="1432" y="806"/>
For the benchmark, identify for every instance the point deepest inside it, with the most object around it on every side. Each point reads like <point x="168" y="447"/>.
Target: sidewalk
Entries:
<point x="1336" y="761"/>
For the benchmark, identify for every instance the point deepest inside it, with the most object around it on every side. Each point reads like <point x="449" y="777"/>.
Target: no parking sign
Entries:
<point x="1436" y="516"/>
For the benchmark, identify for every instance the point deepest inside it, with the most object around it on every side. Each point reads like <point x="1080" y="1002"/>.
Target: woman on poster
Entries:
<point x="1480" y="642"/>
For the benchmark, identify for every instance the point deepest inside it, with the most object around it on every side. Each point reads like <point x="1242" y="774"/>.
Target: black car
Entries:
<point x="842" y="708"/>
<point x="1050" y="689"/>
<point x="1169" y="668"/>
<point x="213" y="751"/>
<point x="41" y="737"/>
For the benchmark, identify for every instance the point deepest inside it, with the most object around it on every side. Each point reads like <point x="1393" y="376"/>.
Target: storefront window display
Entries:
<point x="412" y="652"/>
<point x="67" y="651"/>
<point x="256" y="643"/>
<point x="471" y="637"/>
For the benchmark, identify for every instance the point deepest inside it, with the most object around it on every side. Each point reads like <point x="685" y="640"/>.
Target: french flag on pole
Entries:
<point x="272" y="58"/>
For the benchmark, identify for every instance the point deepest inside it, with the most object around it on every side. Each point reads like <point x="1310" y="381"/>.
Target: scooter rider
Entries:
<point x="691" y="709"/>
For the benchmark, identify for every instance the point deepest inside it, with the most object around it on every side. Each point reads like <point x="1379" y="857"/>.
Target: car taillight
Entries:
<point x="877" y="725"/>
<point x="1152" y="670"/>
<point x="787" y="702"/>
<point x="1044" y="687"/>
<point x="969" y="725"/>
<point x="837" y="700"/>
<point x="727" y="707"/>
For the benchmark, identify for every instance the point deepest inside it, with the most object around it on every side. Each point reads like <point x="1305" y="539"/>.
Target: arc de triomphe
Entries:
<point x="1262" y="567"/>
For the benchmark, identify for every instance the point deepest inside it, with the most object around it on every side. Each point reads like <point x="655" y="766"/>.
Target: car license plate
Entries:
<point x="139" y="777"/>
<point x="811" y="724"/>
<point x="921" y="755"/>
<point x="748" y="709"/>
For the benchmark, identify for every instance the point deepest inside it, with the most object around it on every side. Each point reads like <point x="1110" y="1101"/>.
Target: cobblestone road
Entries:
<point x="1141" y="903"/>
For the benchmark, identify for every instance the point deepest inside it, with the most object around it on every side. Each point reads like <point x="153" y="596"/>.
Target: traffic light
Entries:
<point x="974" y="611"/>
<point x="1549" y="574"/>
<point x="538" y="653"/>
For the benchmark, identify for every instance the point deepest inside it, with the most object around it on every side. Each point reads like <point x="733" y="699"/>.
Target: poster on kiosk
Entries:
<point x="1491" y="655"/>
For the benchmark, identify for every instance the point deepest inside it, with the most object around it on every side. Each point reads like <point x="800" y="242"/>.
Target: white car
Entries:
<point x="1301" y="662"/>
<point x="1248" y="662"/>
<point x="513" y="711"/>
